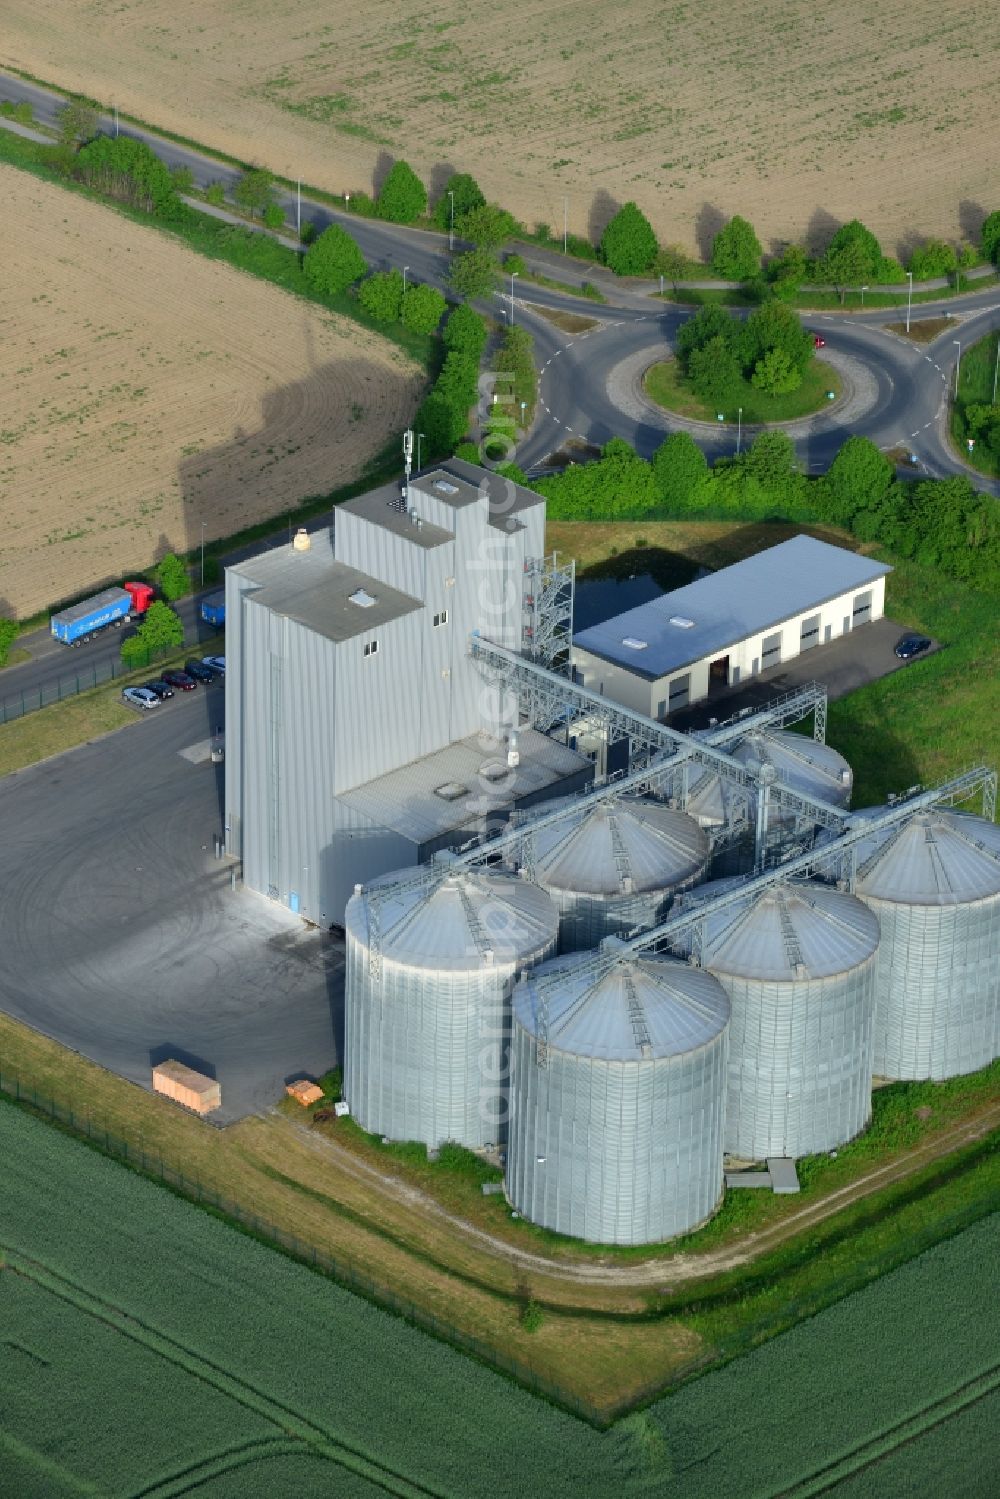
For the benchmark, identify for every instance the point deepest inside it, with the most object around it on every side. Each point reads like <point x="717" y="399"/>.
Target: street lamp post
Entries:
<point x="203" y="554"/>
<point x="405" y="269"/>
<point x="863" y="290"/>
<point x="524" y="406"/>
<point x="996" y="371"/>
<point x="739" y="429"/>
<point x="451" y="230"/>
<point x="958" y="363"/>
<point x="116" y="121"/>
<point x="298" y="208"/>
<point x="347" y="202"/>
<point x="420" y="438"/>
<point x="513" y="274"/>
<point x="909" y="298"/>
<point x="565" y="223"/>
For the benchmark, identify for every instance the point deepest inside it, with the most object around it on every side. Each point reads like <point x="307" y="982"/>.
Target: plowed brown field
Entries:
<point x="786" y="111"/>
<point x="148" y="390"/>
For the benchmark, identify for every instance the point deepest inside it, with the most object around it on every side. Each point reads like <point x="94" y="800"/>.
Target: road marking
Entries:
<point x="197" y="753"/>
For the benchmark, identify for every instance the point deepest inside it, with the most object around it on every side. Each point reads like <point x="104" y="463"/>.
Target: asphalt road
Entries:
<point x="123" y="938"/>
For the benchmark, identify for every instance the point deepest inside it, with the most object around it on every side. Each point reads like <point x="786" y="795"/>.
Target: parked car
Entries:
<point x="140" y="697"/>
<point x="180" y="679"/>
<point x="216" y="664"/>
<point x="199" y="671"/>
<point x="911" y="645"/>
<point x="818" y="341"/>
<point x="162" y="689"/>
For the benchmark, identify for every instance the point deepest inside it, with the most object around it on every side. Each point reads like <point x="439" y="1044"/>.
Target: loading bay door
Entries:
<point x="770" y="654"/>
<point x="862" y="609"/>
<point x="809" y="635"/>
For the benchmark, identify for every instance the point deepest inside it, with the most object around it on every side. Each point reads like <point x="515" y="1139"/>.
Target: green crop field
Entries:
<point x="192" y="1360"/>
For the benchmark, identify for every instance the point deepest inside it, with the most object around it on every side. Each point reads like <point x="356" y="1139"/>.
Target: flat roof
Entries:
<point x="505" y="497"/>
<point x="728" y="606"/>
<point x="410" y="800"/>
<point x="313" y="590"/>
<point x="383" y="507"/>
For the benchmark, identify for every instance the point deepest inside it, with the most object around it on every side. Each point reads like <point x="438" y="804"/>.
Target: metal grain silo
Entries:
<point x="613" y="866"/>
<point x="803" y="764"/>
<point x="934" y="884"/>
<point x="431" y="962"/>
<point x="797" y="960"/>
<point x="618" y="1137"/>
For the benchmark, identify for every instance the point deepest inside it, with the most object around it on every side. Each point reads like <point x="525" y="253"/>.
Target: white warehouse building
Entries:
<point x="729" y="627"/>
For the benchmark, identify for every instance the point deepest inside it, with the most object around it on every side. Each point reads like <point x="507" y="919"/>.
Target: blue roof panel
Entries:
<point x="736" y="602"/>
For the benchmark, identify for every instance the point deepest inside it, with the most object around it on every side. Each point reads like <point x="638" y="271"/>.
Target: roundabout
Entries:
<point x="665" y="384"/>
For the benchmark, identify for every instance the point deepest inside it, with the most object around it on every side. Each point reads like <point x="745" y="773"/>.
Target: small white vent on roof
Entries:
<point x="362" y="598"/>
<point x="681" y="622"/>
<point x="634" y="644"/>
<point x="443" y="487"/>
<point x="451" y="791"/>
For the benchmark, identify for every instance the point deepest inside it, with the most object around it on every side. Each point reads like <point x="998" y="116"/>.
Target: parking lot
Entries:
<point x="122" y="936"/>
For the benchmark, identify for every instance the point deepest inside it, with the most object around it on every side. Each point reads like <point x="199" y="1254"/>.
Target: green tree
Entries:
<point x="128" y="170"/>
<point x="77" y="123"/>
<point x="858" y="478"/>
<point x="488" y="226"/>
<point x="867" y="250"/>
<point x="465" y="331"/>
<point x="708" y="322"/>
<point x="628" y="243"/>
<point x="423" y="308"/>
<point x="215" y="193"/>
<point x="515" y="265"/>
<point x="714" y="373"/>
<point x="935" y="257"/>
<point x="771" y="460"/>
<point x="473" y="274"/>
<point x="736" y="251"/>
<point x="679" y="469"/>
<point x="403" y="197"/>
<point x="254" y="190"/>
<point x="467" y="196"/>
<point x="274" y="216"/>
<point x="788" y="271"/>
<point x="161" y="630"/>
<point x="172" y="577"/>
<point x="845" y="266"/>
<point x="8" y="634"/>
<point x="333" y="261"/>
<point x="182" y="179"/>
<point x="672" y="263"/>
<point x="382" y="295"/>
<point x="775" y="374"/>
<point x="990" y="236"/>
<point x="775" y="326"/>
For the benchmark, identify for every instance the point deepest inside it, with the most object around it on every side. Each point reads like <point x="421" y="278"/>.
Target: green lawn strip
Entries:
<point x="774" y="1418"/>
<point x="666" y="384"/>
<point x="87" y="715"/>
<point x="821" y="301"/>
<point x="586" y="289"/>
<point x="975" y="388"/>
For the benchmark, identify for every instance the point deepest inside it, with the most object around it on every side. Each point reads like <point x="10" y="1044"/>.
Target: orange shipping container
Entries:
<point x="304" y="1092"/>
<point x="184" y="1085"/>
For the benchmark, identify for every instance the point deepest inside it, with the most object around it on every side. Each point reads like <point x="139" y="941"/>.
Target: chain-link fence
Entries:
<point x="96" y="674"/>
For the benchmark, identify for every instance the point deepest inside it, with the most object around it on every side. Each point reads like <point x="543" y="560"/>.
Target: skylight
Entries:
<point x="362" y="598"/>
<point x="443" y="487"/>
<point x="681" y="623"/>
<point x="634" y="644"/>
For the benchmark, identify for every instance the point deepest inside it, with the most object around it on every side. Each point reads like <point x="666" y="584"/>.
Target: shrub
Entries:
<point x="473" y="274"/>
<point x="21" y="112"/>
<point x="8" y="634"/>
<point x="422" y="309"/>
<point x="488" y="226"/>
<point x="382" y="295"/>
<point x="532" y="1317"/>
<point x="172" y="577"/>
<point x="679" y="467"/>
<point x="274" y="216"/>
<point x="736" y="251"/>
<point x="254" y="190"/>
<point x="628" y="244"/>
<point x="775" y="374"/>
<point x="215" y="193"/>
<point x="130" y="172"/>
<point x="935" y="257"/>
<point x="465" y="331"/>
<point x="515" y="356"/>
<point x="515" y="265"/>
<point x="467" y="195"/>
<point x="77" y="123"/>
<point x="333" y="261"/>
<point x="403" y="197"/>
<point x="990" y="236"/>
<point x="182" y="179"/>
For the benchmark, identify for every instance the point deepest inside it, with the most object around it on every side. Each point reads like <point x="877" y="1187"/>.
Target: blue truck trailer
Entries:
<point x="213" y="609"/>
<point x="81" y="621"/>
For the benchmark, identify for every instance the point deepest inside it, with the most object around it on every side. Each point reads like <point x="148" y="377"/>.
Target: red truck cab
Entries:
<point x="141" y="594"/>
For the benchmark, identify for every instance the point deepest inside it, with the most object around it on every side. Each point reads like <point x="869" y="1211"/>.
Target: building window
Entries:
<point x="371" y="647"/>
<point x="441" y="619"/>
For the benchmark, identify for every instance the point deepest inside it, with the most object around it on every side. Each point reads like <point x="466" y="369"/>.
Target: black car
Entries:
<point x="199" y="671"/>
<point x="180" y="679"/>
<point x="911" y="645"/>
<point x="162" y="689"/>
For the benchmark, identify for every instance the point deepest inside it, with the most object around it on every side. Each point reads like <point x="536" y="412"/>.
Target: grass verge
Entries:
<point x="569" y="322"/>
<point x="923" y="330"/>
<point x="978" y="385"/>
<point x="665" y="384"/>
<point x="585" y="289"/>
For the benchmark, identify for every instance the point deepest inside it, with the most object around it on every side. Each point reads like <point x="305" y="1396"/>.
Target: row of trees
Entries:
<point x="943" y="523"/>
<point x="443" y="416"/>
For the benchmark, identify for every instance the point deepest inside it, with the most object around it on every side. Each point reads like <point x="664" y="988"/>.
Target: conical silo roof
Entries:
<point x="803" y="764"/>
<point x="622" y="847"/>
<point x="642" y="1008"/>
<point x="796" y="930"/>
<point x="457" y="920"/>
<point x="936" y="858"/>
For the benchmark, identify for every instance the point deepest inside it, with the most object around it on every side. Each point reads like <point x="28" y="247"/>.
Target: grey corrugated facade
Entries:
<point x="324" y="694"/>
<point x="427" y="1034"/>
<point x="618" y="1139"/>
<point x="935" y="887"/>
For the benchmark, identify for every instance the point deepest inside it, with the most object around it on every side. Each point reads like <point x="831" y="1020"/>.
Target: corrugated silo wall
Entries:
<point x="586" y="919"/>
<point x="616" y="1152"/>
<point x="800" y="1062"/>
<point x="426" y="1055"/>
<point x="937" y="989"/>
